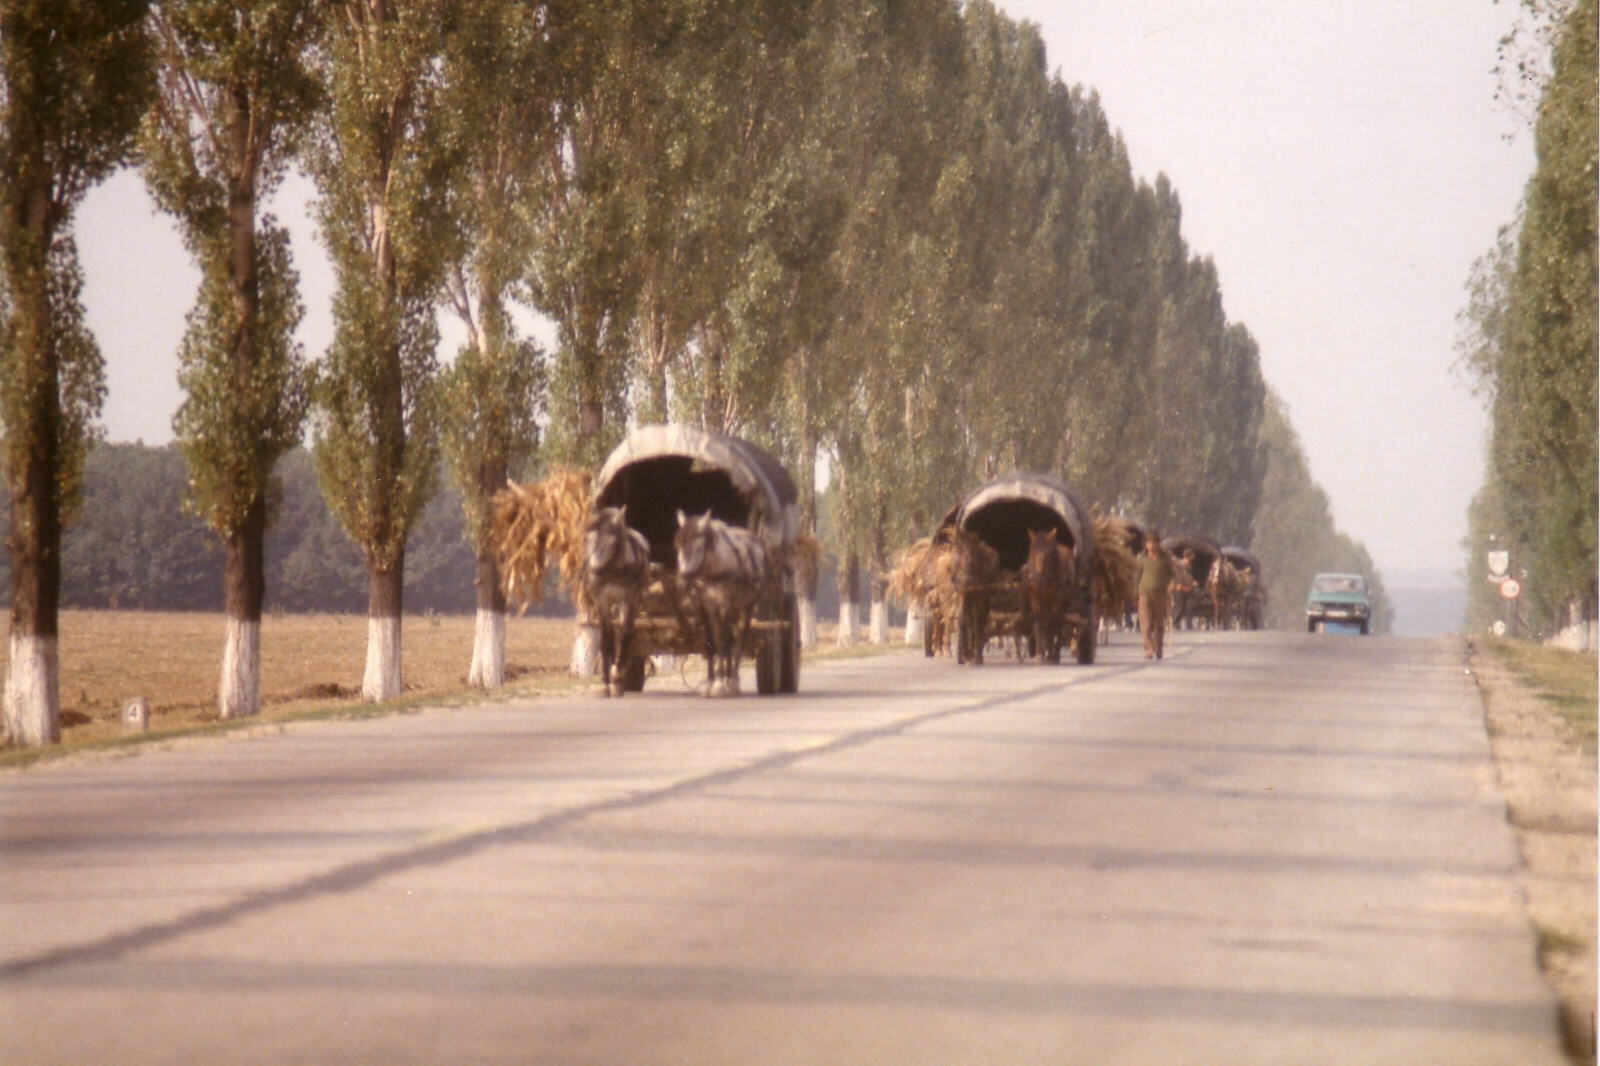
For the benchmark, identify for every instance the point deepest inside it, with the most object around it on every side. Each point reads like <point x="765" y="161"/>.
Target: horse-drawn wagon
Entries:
<point x="1253" y="598"/>
<point x="665" y="479"/>
<point x="1003" y="523"/>
<point x="1193" y="558"/>
<point x="1208" y="587"/>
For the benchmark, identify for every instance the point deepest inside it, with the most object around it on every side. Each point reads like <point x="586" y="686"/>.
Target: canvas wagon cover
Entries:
<point x="754" y="473"/>
<point x="1244" y="559"/>
<point x="1205" y="552"/>
<point x="1044" y="490"/>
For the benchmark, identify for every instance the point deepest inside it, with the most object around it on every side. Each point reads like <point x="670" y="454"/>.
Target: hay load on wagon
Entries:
<point x="1001" y="519"/>
<point x="1117" y="543"/>
<point x="1253" y="602"/>
<point x="537" y="524"/>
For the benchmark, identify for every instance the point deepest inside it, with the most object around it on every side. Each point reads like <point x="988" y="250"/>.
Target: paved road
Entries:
<point x="1268" y="848"/>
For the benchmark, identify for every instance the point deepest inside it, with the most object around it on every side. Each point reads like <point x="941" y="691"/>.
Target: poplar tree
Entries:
<point x="74" y="80"/>
<point x="586" y="212"/>
<point x="384" y="179"/>
<point x="234" y="92"/>
<point x="1529" y="338"/>
<point x="498" y="106"/>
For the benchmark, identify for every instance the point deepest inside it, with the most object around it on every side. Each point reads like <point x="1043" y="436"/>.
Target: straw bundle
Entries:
<point x="1115" y="578"/>
<point x="541" y="522"/>
<point x="907" y="583"/>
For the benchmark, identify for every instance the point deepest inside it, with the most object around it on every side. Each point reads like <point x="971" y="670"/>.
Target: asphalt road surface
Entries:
<point x="1273" y="848"/>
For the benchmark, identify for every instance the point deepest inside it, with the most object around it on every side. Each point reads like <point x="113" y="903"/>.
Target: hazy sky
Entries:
<point x="1343" y="162"/>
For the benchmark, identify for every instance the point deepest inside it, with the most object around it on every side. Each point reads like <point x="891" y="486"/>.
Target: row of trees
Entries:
<point x="880" y="234"/>
<point x="1528" y="340"/>
<point x="133" y="546"/>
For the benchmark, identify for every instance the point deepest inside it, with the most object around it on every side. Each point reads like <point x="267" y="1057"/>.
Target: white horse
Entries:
<point x="723" y="569"/>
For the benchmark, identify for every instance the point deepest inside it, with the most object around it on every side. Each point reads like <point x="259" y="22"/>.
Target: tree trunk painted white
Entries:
<point x="382" y="679"/>
<point x="849" y="624"/>
<point x="808" y="622"/>
<point x="239" y="689"/>
<point x="32" y="701"/>
<point x="488" y="669"/>
<point x="585" y="651"/>
<point x="914" y="623"/>
<point x="878" y="629"/>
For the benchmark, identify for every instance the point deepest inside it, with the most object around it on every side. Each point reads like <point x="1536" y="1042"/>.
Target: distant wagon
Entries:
<point x="1254" y="601"/>
<point x="1002" y="514"/>
<point x="661" y="470"/>
<point x="1202" y="553"/>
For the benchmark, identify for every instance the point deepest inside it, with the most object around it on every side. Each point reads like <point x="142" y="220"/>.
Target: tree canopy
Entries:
<point x="879" y="235"/>
<point x="1529" y="340"/>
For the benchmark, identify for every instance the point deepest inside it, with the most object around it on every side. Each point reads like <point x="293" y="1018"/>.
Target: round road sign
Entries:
<point x="1510" y="589"/>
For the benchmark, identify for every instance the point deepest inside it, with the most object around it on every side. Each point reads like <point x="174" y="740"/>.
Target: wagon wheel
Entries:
<point x="769" y="653"/>
<point x="1085" y="639"/>
<point x="633" y="671"/>
<point x="789" y="663"/>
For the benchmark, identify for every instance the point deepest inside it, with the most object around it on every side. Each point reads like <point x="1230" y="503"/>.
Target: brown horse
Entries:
<point x="974" y="568"/>
<point x="1181" y="589"/>
<point x="1047" y="579"/>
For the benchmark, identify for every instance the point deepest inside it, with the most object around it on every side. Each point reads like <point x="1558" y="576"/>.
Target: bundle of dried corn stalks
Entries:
<point x="539" y="522"/>
<point x="907" y="583"/>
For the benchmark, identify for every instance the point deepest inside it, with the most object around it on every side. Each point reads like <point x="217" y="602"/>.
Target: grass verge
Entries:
<point x="1565" y="681"/>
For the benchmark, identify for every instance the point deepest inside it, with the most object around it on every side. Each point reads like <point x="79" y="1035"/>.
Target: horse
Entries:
<point x="1047" y="579"/>
<point x="725" y="569"/>
<point x="1226" y="589"/>
<point x="974" y="568"/>
<point x="1251" y="599"/>
<point x="1181" y="588"/>
<point x="616" y="558"/>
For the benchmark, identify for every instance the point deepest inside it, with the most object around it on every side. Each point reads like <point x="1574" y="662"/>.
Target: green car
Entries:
<point x="1338" y="598"/>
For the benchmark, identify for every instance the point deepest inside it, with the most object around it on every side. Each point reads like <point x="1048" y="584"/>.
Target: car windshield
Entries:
<point x="1338" y="583"/>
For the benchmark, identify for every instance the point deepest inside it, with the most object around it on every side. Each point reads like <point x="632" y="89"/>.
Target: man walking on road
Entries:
<point x="1155" y="574"/>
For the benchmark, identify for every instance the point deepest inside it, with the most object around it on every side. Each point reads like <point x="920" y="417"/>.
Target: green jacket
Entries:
<point x="1155" y="573"/>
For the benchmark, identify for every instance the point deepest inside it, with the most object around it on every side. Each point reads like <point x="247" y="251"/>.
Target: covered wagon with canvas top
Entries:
<point x="1193" y="556"/>
<point x="1003" y="515"/>
<point x="662" y="470"/>
<point x="1253" y="602"/>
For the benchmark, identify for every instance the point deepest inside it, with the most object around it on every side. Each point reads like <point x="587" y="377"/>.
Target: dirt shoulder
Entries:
<point x="1539" y="706"/>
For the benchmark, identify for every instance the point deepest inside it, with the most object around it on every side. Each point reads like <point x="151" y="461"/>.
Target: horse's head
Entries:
<point x="976" y="562"/>
<point x="693" y="543"/>
<point x="603" y="536"/>
<point x="1183" y="573"/>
